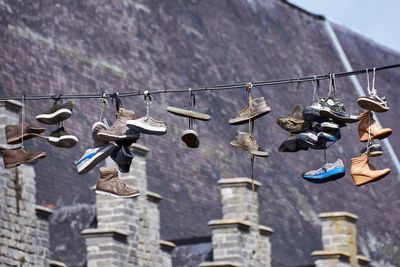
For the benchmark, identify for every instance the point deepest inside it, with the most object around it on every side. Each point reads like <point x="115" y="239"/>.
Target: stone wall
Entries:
<point x="24" y="226"/>
<point x="128" y="230"/>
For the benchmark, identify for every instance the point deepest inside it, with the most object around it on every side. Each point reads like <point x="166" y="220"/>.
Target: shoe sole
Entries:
<point x="189" y="114"/>
<point x="145" y="129"/>
<point x="17" y="140"/>
<point x="65" y="141"/>
<point x="99" y="157"/>
<point x="238" y="121"/>
<point x="190" y="138"/>
<point x="33" y="160"/>
<point x="334" y="175"/>
<point x="55" y="117"/>
<point x="104" y="193"/>
<point x="372" y="180"/>
<point x="330" y="114"/>
<point x="370" y="104"/>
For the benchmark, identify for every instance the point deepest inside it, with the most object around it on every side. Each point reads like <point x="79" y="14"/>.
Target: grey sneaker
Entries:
<point x="191" y="112"/>
<point x="119" y="131"/>
<point x="373" y="149"/>
<point x="148" y="125"/>
<point x="246" y="142"/>
<point x="57" y="113"/>
<point x="259" y="108"/>
<point x="96" y="128"/>
<point x="328" y="172"/>
<point x="110" y="184"/>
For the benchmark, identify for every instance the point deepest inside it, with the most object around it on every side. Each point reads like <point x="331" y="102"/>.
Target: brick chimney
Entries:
<point x="238" y="239"/>
<point x="339" y="239"/>
<point x="128" y="230"/>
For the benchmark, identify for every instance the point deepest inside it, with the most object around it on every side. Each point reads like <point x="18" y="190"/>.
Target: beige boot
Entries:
<point x="119" y="131"/>
<point x="368" y="124"/>
<point x="364" y="173"/>
<point x="110" y="184"/>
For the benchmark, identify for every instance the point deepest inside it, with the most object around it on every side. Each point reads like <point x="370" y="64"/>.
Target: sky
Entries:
<point x="376" y="19"/>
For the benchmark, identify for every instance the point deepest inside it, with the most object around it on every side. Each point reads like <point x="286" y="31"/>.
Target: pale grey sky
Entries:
<point x="376" y="19"/>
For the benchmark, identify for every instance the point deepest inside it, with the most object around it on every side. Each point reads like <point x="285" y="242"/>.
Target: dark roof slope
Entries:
<point x="84" y="46"/>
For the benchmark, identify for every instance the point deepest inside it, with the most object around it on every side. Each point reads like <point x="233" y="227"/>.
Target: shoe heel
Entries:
<point x="363" y="136"/>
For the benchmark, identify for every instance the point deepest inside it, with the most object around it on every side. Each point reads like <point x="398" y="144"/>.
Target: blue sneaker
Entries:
<point x="92" y="157"/>
<point x="329" y="172"/>
<point x="329" y="137"/>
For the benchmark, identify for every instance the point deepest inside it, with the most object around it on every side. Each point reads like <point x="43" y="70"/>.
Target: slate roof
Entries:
<point x="90" y="46"/>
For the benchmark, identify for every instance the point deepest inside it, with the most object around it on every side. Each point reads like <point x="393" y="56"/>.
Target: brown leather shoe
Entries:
<point x="119" y="130"/>
<point x="294" y="123"/>
<point x="246" y="142"/>
<point x="17" y="156"/>
<point x="110" y="184"/>
<point x="368" y="124"/>
<point x="259" y="108"/>
<point x="364" y="172"/>
<point x="14" y="133"/>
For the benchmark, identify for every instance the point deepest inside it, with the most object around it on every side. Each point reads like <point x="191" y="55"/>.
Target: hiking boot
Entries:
<point x="123" y="157"/>
<point x="148" y="125"/>
<point x="191" y="112"/>
<point x="293" y="123"/>
<point x="290" y="145"/>
<point x="190" y="138"/>
<point x="17" y="156"/>
<point x="259" y="108"/>
<point x="110" y="184"/>
<point x="246" y="142"/>
<point x="373" y="102"/>
<point x="369" y="126"/>
<point x="57" y="113"/>
<point x="15" y="133"/>
<point x="92" y="157"/>
<point x="364" y="173"/>
<point x="328" y="172"/>
<point x="332" y="108"/>
<point x="96" y="128"/>
<point x="119" y="130"/>
<point x="60" y="138"/>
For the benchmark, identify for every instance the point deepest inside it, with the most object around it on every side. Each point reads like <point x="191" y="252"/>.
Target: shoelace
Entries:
<point x="373" y="92"/>
<point x="253" y="141"/>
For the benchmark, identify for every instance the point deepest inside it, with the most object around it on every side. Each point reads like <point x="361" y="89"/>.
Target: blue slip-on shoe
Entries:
<point x="92" y="157"/>
<point x="324" y="137"/>
<point x="329" y="172"/>
<point x="123" y="157"/>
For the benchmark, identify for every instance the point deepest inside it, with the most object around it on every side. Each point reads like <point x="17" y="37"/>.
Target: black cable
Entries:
<point x="206" y="88"/>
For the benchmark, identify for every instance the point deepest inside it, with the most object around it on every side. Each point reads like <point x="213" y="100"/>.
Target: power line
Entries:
<point x="205" y="88"/>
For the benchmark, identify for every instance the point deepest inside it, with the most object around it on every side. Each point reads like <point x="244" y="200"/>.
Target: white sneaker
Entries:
<point x="92" y="157"/>
<point x="148" y="125"/>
